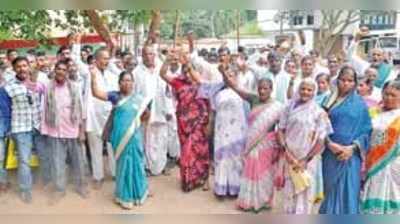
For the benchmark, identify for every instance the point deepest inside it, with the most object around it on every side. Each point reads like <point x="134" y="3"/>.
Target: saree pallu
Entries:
<point x="127" y="141"/>
<point x="192" y="116"/>
<point x="260" y="161"/>
<point x="383" y="74"/>
<point x="305" y="125"/>
<point x="342" y="179"/>
<point x="381" y="193"/>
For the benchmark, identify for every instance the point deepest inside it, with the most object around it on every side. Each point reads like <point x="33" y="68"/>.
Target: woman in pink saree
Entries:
<point x="257" y="178"/>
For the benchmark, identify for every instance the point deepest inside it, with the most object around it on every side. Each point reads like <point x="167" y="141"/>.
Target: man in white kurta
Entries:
<point x="279" y="77"/>
<point x="174" y="147"/>
<point x="149" y="83"/>
<point x="98" y="111"/>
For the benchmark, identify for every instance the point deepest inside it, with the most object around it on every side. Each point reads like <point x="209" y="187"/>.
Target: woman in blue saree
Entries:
<point x="346" y="147"/>
<point x="125" y="135"/>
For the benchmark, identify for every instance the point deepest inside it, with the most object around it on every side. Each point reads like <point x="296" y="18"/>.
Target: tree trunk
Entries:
<point x="176" y="27"/>
<point x="212" y="25"/>
<point x="154" y="26"/>
<point x="238" y="28"/>
<point x="136" y="40"/>
<point x="99" y="26"/>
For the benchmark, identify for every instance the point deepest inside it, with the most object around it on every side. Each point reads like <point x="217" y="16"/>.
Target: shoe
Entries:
<point x="166" y="171"/>
<point x="98" y="184"/>
<point x="83" y="192"/>
<point x="26" y="197"/>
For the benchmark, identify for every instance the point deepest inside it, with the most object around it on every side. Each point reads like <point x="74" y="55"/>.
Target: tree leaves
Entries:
<point x="38" y="24"/>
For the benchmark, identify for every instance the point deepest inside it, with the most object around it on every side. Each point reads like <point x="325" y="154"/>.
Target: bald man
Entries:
<point x="376" y="61"/>
<point x="96" y="111"/>
<point x="160" y="132"/>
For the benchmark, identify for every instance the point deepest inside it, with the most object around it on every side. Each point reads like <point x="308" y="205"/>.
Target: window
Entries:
<point x="378" y="20"/>
<point x="298" y="20"/>
<point x="310" y="20"/>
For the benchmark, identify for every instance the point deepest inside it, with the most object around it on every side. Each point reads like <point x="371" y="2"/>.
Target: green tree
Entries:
<point x="205" y="23"/>
<point x="26" y="24"/>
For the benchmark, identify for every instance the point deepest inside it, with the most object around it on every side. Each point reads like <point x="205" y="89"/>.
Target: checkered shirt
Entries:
<point x="25" y="107"/>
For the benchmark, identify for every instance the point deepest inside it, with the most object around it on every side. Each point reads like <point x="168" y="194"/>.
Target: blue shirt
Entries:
<point x="5" y="112"/>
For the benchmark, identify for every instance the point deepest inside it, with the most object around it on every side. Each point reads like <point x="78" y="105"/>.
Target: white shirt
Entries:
<point x="171" y="101"/>
<point x="209" y="72"/>
<point x="149" y="83"/>
<point x="259" y="71"/>
<point x="97" y="111"/>
<point x="376" y="94"/>
<point x="43" y="78"/>
<point x="247" y="81"/>
<point x="281" y="85"/>
<point x="9" y="75"/>
<point x="359" y="64"/>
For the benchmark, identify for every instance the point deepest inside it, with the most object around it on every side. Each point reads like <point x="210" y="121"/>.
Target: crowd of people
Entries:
<point x="323" y="131"/>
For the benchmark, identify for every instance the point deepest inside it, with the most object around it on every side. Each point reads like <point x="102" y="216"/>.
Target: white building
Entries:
<point x="273" y="25"/>
<point x="274" y="22"/>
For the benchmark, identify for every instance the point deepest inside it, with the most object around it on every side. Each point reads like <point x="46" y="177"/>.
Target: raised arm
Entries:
<point x="164" y="71"/>
<point x="203" y="67"/>
<point x="355" y="60"/>
<point x="194" y="75"/>
<point x="75" y="42"/>
<point x="233" y="85"/>
<point x="97" y="92"/>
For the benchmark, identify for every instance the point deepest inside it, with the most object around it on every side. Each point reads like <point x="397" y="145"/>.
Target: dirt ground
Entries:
<point x="168" y="199"/>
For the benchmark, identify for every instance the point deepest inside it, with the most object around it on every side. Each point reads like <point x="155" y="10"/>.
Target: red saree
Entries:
<point x="192" y="116"/>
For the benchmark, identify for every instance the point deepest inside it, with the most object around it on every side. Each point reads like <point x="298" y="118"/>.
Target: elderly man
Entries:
<point x="97" y="111"/>
<point x="149" y="84"/>
<point x="376" y="61"/>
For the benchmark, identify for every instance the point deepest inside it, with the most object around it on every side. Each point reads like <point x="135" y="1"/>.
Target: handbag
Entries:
<point x="301" y="180"/>
<point x="11" y="158"/>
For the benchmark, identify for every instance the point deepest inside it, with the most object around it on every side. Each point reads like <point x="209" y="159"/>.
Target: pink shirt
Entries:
<point x="65" y="129"/>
